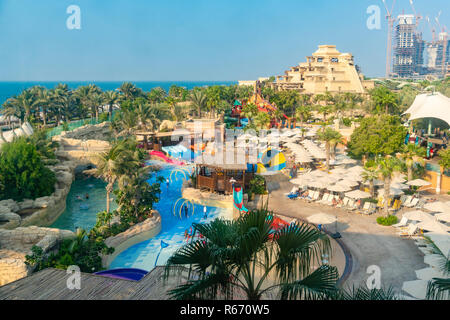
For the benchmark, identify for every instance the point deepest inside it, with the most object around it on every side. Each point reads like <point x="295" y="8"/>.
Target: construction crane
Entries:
<point x="418" y="16"/>
<point x="390" y="20"/>
<point x="432" y="29"/>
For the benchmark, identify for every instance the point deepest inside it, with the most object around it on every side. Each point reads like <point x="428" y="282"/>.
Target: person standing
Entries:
<point x="185" y="211"/>
<point x="205" y="215"/>
<point x="167" y="183"/>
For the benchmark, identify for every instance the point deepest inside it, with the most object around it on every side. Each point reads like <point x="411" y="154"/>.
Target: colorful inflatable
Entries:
<point x="238" y="199"/>
<point x="271" y="161"/>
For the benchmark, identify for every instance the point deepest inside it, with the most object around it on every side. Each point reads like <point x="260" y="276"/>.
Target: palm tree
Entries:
<point x="172" y="102"/>
<point x="110" y="98"/>
<point x="129" y="90"/>
<point x="330" y="137"/>
<point x="250" y="111"/>
<point x="386" y="167"/>
<point x="412" y="154"/>
<point x="369" y="174"/>
<point x="199" y="101"/>
<point x="324" y="100"/>
<point x="303" y="113"/>
<point x="44" y="100"/>
<point x="249" y="256"/>
<point x="383" y="98"/>
<point x="26" y="102"/>
<point x="113" y="165"/>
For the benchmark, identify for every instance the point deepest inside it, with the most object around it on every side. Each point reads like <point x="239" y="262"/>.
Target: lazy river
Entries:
<point x="158" y="249"/>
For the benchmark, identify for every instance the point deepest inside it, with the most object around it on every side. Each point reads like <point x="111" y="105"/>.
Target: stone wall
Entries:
<point x="41" y="211"/>
<point x="137" y="233"/>
<point x="16" y="244"/>
<point x="90" y="132"/>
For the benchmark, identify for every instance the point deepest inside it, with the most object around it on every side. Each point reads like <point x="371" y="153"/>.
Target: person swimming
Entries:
<point x="87" y="196"/>
<point x="79" y="198"/>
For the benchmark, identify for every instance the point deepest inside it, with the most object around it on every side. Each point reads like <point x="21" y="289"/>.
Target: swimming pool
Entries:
<point x="144" y="254"/>
<point x="82" y="213"/>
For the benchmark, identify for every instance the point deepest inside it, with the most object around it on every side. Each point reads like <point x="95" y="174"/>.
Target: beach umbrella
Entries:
<point x="428" y="273"/>
<point x="317" y="184"/>
<point x="399" y="185"/>
<point x="321" y="218"/>
<point x="418" y="183"/>
<point x="339" y="188"/>
<point x="433" y="225"/>
<point x="445" y="216"/>
<point x="348" y="182"/>
<point x="357" y="194"/>
<point x="416" y="288"/>
<point x="392" y="192"/>
<point x="300" y="181"/>
<point x="437" y="206"/>
<point x="418" y="215"/>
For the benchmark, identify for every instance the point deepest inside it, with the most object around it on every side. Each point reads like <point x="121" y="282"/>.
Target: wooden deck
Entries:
<point x="50" y="284"/>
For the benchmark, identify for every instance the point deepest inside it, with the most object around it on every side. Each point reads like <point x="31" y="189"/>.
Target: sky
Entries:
<point x="167" y="40"/>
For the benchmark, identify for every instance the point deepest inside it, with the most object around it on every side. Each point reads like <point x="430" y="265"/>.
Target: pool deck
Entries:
<point x="368" y="242"/>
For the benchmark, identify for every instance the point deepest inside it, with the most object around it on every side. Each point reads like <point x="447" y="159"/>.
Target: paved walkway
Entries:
<point x="368" y="242"/>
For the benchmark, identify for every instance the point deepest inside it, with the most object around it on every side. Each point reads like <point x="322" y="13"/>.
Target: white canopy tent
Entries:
<point x="434" y="105"/>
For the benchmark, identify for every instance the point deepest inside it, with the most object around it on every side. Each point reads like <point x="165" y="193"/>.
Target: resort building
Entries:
<point x="326" y="70"/>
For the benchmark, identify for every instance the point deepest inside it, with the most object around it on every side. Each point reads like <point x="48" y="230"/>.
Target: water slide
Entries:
<point x="238" y="199"/>
<point x="165" y="158"/>
<point x="123" y="273"/>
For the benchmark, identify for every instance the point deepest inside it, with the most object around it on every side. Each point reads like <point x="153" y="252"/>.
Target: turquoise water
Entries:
<point x="144" y="254"/>
<point x="83" y="213"/>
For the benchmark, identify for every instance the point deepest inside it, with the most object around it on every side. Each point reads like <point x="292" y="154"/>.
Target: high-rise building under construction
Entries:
<point x="415" y="58"/>
<point x="408" y="48"/>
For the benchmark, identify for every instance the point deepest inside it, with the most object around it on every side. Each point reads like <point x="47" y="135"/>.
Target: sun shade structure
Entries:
<point x="321" y="218"/>
<point x="426" y="105"/>
<point x="357" y="194"/>
<point x="418" y="215"/>
<point x="437" y="207"/>
<point x="418" y="183"/>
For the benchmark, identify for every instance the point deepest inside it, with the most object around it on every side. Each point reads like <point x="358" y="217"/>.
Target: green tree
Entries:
<point x="384" y="100"/>
<point x="376" y="135"/>
<point x="247" y="254"/>
<point x="111" y="99"/>
<point x="23" y="173"/>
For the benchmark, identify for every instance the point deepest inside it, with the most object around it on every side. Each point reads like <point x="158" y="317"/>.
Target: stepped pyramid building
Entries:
<point x="326" y="70"/>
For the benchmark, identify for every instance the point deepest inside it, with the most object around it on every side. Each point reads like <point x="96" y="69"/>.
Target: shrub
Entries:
<point x="22" y="172"/>
<point x="387" y="221"/>
<point x="347" y="122"/>
<point x="257" y="185"/>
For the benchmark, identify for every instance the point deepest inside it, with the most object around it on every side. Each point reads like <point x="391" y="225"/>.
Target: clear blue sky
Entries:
<point x="188" y="39"/>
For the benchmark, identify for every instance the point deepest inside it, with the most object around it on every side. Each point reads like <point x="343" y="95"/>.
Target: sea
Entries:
<point x="9" y="89"/>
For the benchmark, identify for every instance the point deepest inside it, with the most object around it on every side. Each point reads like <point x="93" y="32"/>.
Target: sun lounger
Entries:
<point x="316" y="196"/>
<point x="402" y="223"/>
<point x="413" y="203"/>
<point x="324" y="198"/>
<point x="403" y="198"/>
<point x="345" y="202"/>
<point x="330" y="200"/>
<point x="407" y="201"/>
<point x="409" y="232"/>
